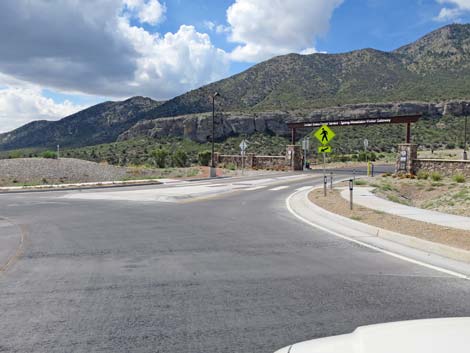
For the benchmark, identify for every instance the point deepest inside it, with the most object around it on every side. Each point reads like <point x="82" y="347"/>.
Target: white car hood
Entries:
<point x="450" y="335"/>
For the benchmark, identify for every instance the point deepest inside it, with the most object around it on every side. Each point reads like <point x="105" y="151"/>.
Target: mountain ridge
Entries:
<point x="436" y="67"/>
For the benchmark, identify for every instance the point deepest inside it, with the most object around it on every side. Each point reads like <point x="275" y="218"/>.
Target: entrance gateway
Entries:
<point x="407" y="148"/>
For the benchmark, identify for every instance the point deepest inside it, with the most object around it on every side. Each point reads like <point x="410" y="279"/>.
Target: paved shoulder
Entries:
<point x="10" y="242"/>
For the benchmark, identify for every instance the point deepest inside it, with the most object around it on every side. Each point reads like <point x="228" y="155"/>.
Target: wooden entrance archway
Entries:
<point x="402" y="119"/>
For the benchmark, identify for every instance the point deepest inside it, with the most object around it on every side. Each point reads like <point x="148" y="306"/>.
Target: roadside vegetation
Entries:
<point x="347" y="146"/>
<point x="431" y="191"/>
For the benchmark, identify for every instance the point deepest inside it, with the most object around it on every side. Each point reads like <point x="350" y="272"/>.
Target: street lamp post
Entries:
<point x="213" y="173"/>
<point x="465" y="140"/>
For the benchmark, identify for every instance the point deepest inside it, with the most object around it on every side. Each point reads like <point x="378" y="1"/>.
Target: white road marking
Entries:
<point x="304" y="188"/>
<point x="256" y="188"/>
<point x="387" y="252"/>
<point x="279" y="188"/>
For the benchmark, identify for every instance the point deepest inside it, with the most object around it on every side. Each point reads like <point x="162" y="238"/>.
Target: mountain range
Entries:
<point x="435" y="68"/>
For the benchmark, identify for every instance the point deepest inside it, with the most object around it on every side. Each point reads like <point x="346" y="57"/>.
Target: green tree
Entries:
<point x="160" y="156"/>
<point x="204" y="157"/>
<point x="180" y="158"/>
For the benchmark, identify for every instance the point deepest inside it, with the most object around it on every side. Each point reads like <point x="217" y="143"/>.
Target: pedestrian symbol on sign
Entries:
<point x="324" y="135"/>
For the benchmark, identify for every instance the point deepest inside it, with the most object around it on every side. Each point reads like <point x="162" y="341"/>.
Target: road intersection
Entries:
<point x="231" y="271"/>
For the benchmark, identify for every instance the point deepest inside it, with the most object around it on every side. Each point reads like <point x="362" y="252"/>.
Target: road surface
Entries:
<point x="234" y="273"/>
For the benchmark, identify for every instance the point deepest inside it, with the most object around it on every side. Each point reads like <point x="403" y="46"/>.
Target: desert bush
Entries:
<point x="180" y="158"/>
<point x="436" y="176"/>
<point x="204" y="157"/>
<point x="423" y="175"/>
<point x="49" y="154"/>
<point x="360" y="182"/>
<point x="160" y="156"/>
<point x="459" y="178"/>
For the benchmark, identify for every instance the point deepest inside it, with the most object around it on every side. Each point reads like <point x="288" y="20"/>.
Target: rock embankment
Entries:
<point x="198" y="127"/>
<point x="54" y="171"/>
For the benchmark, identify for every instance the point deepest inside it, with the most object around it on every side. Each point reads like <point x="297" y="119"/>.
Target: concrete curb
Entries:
<point x="407" y="240"/>
<point x="91" y="185"/>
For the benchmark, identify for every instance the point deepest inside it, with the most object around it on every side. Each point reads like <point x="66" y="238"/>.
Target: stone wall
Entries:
<point x="252" y="161"/>
<point x="446" y="167"/>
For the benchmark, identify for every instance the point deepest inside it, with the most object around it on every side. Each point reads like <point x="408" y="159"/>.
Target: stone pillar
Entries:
<point x="294" y="157"/>
<point x="407" y="153"/>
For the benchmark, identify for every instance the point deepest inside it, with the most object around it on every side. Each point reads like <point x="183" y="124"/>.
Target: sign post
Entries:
<point x="324" y="134"/>
<point x="243" y="146"/>
<point x="366" y="144"/>
<point x="351" y="187"/>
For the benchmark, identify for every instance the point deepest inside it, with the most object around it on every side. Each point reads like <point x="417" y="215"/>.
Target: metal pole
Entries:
<point x="213" y="131"/>
<point x="304" y="145"/>
<point x="372" y="170"/>
<point x="324" y="174"/>
<point x="465" y="141"/>
<point x="243" y="162"/>
<point x="58" y="152"/>
<point x="331" y="180"/>
<point x="351" y="187"/>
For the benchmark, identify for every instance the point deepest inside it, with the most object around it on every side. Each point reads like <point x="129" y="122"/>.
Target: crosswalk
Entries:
<point x="277" y="188"/>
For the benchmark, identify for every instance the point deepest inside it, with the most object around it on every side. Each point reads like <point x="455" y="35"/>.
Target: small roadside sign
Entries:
<point x="324" y="149"/>
<point x="324" y="134"/>
<point x="243" y="145"/>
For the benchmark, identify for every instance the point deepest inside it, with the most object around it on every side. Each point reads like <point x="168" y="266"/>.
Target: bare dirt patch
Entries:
<point x="336" y="204"/>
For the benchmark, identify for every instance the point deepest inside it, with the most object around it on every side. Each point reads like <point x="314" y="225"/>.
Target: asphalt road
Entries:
<point x="236" y="273"/>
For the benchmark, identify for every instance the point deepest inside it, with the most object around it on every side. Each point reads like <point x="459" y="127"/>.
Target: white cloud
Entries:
<point x="147" y="11"/>
<point x="209" y="25"/>
<point x="265" y="28"/>
<point x="22" y="102"/>
<point x="176" y="61"/>
<point x="452" y="13"/>
<point x="99" y="50"/>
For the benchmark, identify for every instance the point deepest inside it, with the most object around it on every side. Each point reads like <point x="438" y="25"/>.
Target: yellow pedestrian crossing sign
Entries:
<point x="324" y="135"/>
<point x="324" y="149"/>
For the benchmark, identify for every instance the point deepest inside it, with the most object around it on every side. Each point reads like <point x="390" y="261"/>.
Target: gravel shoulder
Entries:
<point x="42" y="171"/>
<point x="336" y="204"/>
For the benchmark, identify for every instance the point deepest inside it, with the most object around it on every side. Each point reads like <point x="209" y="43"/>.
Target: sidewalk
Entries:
<point x="364" y="197"/>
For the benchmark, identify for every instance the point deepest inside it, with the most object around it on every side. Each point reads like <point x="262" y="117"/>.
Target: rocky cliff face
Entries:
<point x="198" y="127"/>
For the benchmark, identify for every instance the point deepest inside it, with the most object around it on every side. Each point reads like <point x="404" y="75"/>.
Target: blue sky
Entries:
<point x="58" y="58"/>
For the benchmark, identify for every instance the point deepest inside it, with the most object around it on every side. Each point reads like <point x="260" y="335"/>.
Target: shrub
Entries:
<point x="49" y="154"/>
<point x="231" y="166"/>
<point x="180" y="158"/>
<point x="360" y="182"/>
<point x="159" y="157"/>
<point x="423" y="175"/>
<point x="459" y="178"/>
<point x="435" y="176"/>
<point x="204" y="157"/>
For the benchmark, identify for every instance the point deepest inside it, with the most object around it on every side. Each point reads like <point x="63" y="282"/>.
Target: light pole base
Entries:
<point x="212" y="172"/>
<point x="464" y="156"/>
